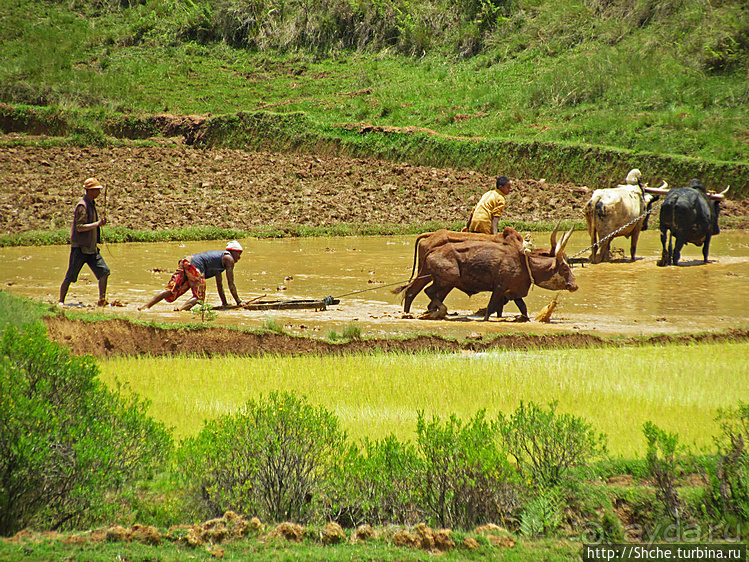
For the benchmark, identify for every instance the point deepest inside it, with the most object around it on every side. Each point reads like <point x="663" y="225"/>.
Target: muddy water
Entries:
<point x="614" y="298"/>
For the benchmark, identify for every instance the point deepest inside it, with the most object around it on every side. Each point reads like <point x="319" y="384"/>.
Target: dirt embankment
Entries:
<point x="120" y="337"/>
<point x="176" y="186"/>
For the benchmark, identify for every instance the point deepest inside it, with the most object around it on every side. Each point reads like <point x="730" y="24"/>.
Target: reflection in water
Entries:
<point x="621" y="297"/>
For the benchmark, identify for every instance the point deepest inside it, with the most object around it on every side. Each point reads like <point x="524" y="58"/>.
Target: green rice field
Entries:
<point x="678" y="387"/>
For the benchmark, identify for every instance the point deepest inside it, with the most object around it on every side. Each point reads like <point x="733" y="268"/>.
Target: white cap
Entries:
<point x="234" y="245"/>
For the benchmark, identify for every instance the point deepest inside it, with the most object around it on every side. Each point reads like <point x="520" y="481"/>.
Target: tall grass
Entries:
<point x="617" y="390"/>
<point x="631" y="75"/>
<point x="16" y="311"/>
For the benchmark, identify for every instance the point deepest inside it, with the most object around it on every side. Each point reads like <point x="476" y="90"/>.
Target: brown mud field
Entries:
<point x="175" y="186"/>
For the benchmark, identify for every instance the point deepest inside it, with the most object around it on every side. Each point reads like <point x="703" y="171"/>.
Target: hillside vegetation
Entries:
<point x="635" y="76"/>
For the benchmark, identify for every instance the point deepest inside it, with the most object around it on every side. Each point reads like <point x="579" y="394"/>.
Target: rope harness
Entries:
<point x="527" y="247"/>
<point x="617" y="231"/>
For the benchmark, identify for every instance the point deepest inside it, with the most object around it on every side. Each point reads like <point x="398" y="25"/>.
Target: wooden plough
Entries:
<point x="291" y="304"/>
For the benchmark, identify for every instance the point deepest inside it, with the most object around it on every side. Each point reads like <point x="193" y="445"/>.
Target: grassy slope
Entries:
<point x="668" y="80"/>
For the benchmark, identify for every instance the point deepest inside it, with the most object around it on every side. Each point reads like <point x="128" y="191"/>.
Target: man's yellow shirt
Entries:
<point x="491" y="204"/>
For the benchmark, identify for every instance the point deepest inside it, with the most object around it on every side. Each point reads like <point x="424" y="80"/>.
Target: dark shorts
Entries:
<point x="78" y="259"/>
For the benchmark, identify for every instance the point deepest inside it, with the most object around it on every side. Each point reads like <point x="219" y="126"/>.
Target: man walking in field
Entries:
<point x="192" y="271"/>
<point x="485" y="216"/>
<point x="85" y="235"/>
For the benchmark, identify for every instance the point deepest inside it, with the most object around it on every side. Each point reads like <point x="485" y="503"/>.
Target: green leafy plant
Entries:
<point x="662" y="465"/>
<point x="543" y="515"/>
<point x="466" y="479"/>
<point x="204" y="312"/>
<point x="269" y="459"/>
<point x="546" y="445"/>
<point x="68" y="445"/>
<point x="728" y="495"/>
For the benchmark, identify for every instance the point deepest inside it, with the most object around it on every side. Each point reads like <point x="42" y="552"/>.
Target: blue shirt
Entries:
<point x="209" y="263"/>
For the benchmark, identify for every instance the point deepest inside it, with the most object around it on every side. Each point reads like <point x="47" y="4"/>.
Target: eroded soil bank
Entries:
<point x="121" y="337"/>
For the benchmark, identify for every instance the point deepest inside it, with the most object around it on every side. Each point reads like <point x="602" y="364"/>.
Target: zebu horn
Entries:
<point x="553" y="241"/>
<point x="664" y="186"/>
<point x="560" y="248"/>
<point x="719" y="196"/>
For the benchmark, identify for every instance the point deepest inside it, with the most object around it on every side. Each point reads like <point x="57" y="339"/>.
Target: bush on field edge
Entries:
<point x="72" y="453"/>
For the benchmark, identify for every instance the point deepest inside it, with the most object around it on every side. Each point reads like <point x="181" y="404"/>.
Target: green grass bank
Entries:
<point x="555" y="161"/>
<point x="561" y="90"/>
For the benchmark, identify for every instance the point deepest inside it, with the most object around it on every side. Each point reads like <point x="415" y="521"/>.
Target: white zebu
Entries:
<point x="612" y="208"/>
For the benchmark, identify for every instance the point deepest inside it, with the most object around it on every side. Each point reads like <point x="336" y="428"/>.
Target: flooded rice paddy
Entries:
<point x="614" y="298"/>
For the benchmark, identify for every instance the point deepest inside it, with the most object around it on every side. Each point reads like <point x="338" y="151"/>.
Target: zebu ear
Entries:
<point x="553" y="241"/>
<point x="559" y="250"/>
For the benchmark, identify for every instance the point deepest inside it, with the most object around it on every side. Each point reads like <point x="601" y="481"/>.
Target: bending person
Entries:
<point x="192" y="271"/>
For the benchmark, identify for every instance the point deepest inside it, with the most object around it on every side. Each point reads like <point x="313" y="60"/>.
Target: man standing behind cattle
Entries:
<point x="85" y="236"/>
<point x="485" y="220"/>
<point x="485" y="216"/>
<point x="192" y="271"/>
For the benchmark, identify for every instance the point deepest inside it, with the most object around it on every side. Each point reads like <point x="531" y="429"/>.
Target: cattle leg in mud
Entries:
<point x="413" y="289"/>
<point x="496" y="304"/>
<point x="437" y="296"/>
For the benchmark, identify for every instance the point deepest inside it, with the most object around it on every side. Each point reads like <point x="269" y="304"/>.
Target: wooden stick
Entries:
<point x="253" y="300"/>
<point x="235" y="306"/>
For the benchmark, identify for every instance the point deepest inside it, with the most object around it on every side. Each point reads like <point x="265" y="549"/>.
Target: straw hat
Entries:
<point x="91" y="183"/>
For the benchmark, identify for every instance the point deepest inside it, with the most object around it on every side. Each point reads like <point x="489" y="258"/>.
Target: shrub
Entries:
<point x="466" y="479"/>
<point x="728" y="495"/>
<point x="270" y="459"/>
<point x="68" y="445"/>
<point x="662" y="464"/>
<point x="546" y="445"/>
<point x="376" y="484"/>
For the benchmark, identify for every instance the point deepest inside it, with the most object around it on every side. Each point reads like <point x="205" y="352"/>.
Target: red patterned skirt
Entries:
<point x="186" y="277"/>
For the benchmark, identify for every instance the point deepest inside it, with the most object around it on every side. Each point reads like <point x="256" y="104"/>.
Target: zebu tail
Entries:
<point x="399" y="288"/>
<point x="416" y="253"/>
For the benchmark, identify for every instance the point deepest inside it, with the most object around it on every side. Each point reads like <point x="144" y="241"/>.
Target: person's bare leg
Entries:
<point x="158" y="298"/>
<point x="103" y="290"/>
<point x="64" y="291"/>
<point x="192" y="301"/>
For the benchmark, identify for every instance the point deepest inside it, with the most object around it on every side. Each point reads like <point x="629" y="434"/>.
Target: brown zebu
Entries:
<point x="428" y="241"/>
<point x="478" y="265"/>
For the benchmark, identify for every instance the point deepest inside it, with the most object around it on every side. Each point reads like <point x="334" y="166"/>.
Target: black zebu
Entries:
<point x="690" y="216"/>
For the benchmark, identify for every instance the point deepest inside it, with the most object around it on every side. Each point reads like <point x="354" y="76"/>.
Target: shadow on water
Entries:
<point x="619" y="297"/>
